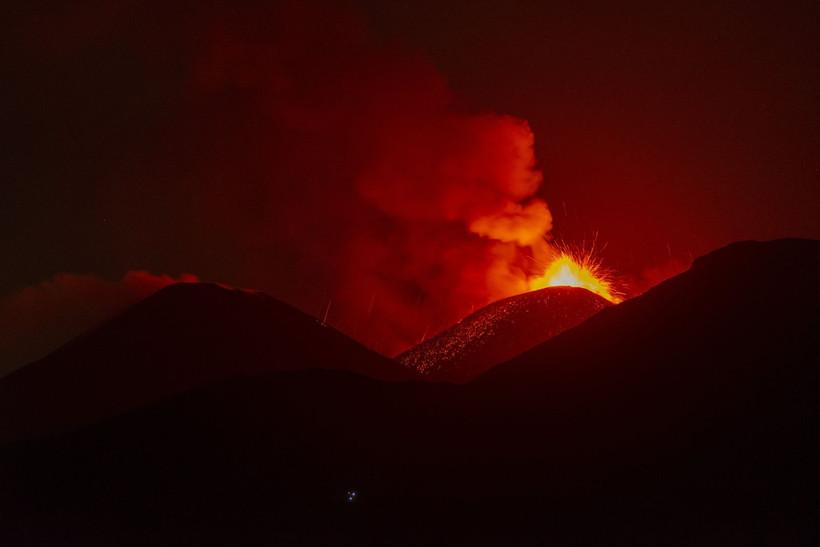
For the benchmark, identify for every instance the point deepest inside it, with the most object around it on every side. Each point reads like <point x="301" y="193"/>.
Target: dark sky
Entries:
<point x="663" y="130"/>
<point x="655" y="123"/>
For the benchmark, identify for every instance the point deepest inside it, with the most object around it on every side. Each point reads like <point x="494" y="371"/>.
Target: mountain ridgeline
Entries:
<point x="184" y="336"/>
<point x="685" y="416"/>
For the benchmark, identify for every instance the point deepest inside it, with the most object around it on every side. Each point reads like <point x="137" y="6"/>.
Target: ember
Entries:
<point x="569" y="270"/>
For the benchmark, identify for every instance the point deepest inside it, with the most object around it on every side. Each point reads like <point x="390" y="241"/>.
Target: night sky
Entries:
<point x="659" y="123"/>
<point x="193" y="137"/>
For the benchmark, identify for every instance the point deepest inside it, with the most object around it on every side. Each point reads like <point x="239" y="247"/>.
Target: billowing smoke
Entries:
<point x="284" y="148"/>
<point x="40" y="318"/>
<point x="456" y="226"/>
<point x="417" y="210"/>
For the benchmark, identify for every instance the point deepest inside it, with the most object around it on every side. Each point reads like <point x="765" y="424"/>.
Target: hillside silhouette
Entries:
<point x="185" y="335"/>
<point x="686" y="416"/>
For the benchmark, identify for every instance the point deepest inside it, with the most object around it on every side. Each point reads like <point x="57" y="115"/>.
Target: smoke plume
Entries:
<point x="283" y="147"/>
<point x="442" y="213"/>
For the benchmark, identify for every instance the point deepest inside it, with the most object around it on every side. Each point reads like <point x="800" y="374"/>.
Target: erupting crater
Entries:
<point x="573" y="270"/>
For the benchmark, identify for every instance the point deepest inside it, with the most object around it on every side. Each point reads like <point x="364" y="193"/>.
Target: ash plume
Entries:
<point x="284" y="147"/>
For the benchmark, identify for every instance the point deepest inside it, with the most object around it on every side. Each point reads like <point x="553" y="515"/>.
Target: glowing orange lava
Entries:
<point x="569" y="271"/>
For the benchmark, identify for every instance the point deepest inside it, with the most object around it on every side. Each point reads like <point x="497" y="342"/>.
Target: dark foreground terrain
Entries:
<point x="686" y="416"/>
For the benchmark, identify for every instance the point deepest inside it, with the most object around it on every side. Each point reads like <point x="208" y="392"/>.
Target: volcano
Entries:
<point x="185" y="335"/>
<point x="500" y="331"/>
<point x="685" y="416"/>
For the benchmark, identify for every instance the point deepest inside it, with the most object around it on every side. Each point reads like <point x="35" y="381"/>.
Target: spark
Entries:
<point x="327" y="311"/>
<point x="583" y="270"/>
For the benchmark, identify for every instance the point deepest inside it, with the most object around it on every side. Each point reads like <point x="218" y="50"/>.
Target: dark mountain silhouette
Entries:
<point x="686" y="416"/>
<point x="500" y="331"/>
<point x="183" y="336"/>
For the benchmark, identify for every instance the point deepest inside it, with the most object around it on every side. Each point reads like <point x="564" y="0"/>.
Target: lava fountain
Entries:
<point x="570" y="270"/>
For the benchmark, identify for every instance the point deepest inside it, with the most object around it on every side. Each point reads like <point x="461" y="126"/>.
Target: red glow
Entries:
<point x="567" y="270"/>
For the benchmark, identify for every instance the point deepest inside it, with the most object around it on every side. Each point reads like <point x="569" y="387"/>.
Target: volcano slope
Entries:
<point x="183" y="336"/>
<point x="686" y="416"/>
<point x="500" y="331"/>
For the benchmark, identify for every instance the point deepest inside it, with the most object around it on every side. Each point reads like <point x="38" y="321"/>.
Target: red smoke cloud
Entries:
<point x="453" y="222"/>
<point x="416" y="210"/>
<point x="293" y="152"/>
<point x="40" y="318"/>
